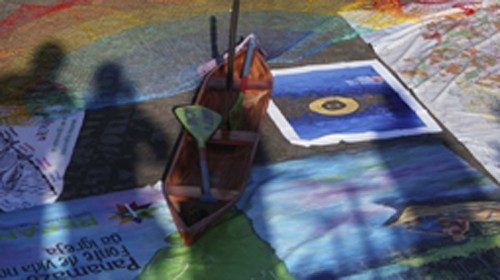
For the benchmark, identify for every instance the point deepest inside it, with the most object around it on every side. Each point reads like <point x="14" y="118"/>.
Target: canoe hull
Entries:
<point x="230" y="153"/>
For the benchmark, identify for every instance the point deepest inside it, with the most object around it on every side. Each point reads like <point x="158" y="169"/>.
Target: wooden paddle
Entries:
<point x="201" y="123"/>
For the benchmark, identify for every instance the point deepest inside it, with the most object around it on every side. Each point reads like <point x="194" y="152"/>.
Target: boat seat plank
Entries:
<point x="195" y="192"/>
<point x="219" y="83"/>
<point x="234" y="137"/>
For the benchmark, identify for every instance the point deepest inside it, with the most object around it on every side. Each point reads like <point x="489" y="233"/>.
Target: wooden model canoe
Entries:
<point x="230" y="153"/>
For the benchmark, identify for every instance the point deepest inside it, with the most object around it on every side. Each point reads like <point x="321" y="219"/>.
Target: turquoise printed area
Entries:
<point x="336" y="215"/>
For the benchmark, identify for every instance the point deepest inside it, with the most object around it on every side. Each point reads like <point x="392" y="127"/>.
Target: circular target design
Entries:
<point x="334" y="105"/>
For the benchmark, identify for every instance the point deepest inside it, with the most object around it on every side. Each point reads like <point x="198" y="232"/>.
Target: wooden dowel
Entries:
<point x="232" y="42"/>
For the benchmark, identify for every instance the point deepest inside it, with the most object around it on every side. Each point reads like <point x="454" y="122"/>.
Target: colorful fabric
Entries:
<point x="403" y="211"/>
<point x="352" y="101"/>
<point x="131" y="51"/>
<point x="452" y="65"/>
<point x="378" y="22"/>
<point x="377" y="213"/>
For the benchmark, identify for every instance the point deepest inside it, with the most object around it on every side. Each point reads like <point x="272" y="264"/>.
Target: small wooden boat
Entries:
<point x="229" y="153"/>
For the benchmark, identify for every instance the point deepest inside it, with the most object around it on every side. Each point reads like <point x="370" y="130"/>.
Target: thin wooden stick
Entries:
<point x="232" y="42"/>
<point x="230" y="63"/>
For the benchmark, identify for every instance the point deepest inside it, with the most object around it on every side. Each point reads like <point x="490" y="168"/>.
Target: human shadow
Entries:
<point x="25" y="95"/>
<point x="36" y="92"/>
<point x="119" y="147"/>
<point x="33" y="97"/>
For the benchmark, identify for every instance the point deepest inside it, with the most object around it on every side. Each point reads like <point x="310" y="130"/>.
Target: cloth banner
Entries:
<point x="127" y="235"/>
<point x="400" y="211"/>
<point x="113" y="53"/>
<point x="451" y="63"/>
<point x="91" y="238"/>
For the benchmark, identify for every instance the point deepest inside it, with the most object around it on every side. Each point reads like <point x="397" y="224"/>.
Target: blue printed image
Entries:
<point x="348" y="100"/>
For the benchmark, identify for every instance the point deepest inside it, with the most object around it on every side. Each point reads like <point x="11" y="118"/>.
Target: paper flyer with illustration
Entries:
<point x="352" y="101"/>
<point x="33" y="159"/>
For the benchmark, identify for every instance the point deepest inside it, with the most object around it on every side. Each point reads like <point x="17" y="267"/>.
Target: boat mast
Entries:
<point x="232" y="42"/>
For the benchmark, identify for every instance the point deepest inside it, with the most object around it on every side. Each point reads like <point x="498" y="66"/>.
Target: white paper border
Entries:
<point x="291" y="135"/>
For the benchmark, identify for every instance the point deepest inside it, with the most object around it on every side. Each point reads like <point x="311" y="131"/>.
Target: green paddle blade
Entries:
<point x="236" y="118"/>
<point x="199" y="121"/>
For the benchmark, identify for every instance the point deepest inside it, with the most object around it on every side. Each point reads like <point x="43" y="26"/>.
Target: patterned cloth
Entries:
<point x="452" y="65"/>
